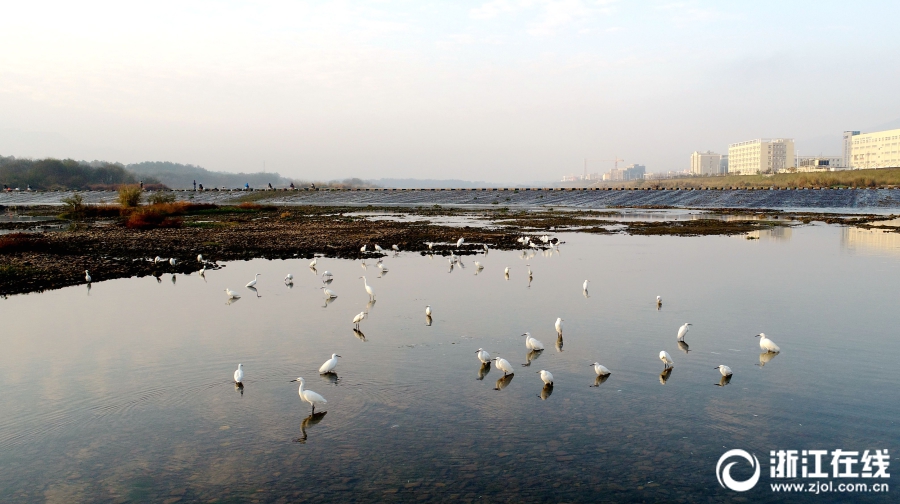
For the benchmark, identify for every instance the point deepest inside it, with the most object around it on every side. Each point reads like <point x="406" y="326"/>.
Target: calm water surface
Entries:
<point x="124" y="392"/>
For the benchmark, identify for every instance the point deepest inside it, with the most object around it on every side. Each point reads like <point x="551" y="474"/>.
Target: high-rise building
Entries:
<point x="723" y="164"/>
<point x="848" y="146"/>
<point x="763" y="155"/>
<point x="631" y="172"/>
<point x="880" y="149"/>
<point x="706" y="163"/>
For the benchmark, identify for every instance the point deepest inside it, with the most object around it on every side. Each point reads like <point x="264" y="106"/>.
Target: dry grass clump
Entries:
<point x="161" y="215"/>
<point x="130" y="196"/>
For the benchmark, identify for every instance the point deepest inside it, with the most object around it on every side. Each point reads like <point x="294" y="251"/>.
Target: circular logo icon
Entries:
<point x="724" y="474"/>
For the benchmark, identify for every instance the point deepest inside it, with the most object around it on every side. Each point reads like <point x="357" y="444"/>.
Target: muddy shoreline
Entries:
<point x="33" y="262"/>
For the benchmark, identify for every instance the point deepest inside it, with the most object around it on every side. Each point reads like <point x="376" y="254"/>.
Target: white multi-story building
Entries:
<point x="706" y="163"/>
<point x="763" y="155"/>
<point x="848" y="146"/>
<point x="880" y="149"/>
<point x="819" y="163"/>
<point x="631" y="172"/>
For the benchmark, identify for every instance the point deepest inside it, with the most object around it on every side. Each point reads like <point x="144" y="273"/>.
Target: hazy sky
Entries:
<point x="503" y="90"/>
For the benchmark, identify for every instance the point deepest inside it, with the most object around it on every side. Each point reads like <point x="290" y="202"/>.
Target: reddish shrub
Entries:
<point x="21" y="242"/>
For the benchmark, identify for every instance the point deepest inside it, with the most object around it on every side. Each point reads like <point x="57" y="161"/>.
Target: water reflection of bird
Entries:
<point x="506" y="272"/>
<point x="503" y="381"/>
<point x="173" y="278"/>
<point x="530" y="356"/>
<point x="428" y="320"/>
<point x="503" y="365"/>
<point x="765" y="357"/>
<point x="683" y="330"/>
<point x="88" y="288"/>
<point x="483" y="356"/>
<point x="368" y="287"/>
<point x="529" y="271"/>
<point x="252" y="283"/>
<point x="231" y="294"/>
<point x="239" y="374"/>
<point x="546" y="376"/>
<point x="725" y="370"/>
<point x="766" y="344"/>
<point x="233" y="300"/>
<point x="239" y="387"/>
<point x="203" y="272"/>
<point x="359" y="334"/>
<point x="664" y="376"/>
<point x="546" y="391"/>
<point x="532" y="343"/>
<point x="381" y="266"/>
<point x="328" y="301"/>
<point x="666" y="358"/>
<point x="478" y="267"/>
<point x="684" y="347"/>
<point x="559" y="326"/>
<point x="369" y="306"/>
<point x="289" y="278"/>
<point x="600" y="379"/>
<point x="309" y="396"/>
<point x="330" y="378"/>
<point x="559" y="343"/>
<point x="484" y="369"/>
<point x="725" y="380"/>
<point x="329" y="365"/>
<point x="308" y="422"/>
<point x="313" y="263"/>
<point x="600" y="369"/>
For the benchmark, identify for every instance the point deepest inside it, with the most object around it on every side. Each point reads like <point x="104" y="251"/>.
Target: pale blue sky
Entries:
<point x="510" y="90"/>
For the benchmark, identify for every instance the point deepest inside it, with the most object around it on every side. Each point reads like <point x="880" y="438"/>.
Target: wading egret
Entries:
<point x="529" y="270"/>
<point x="584" y="286"/>
<point x="479" y="266"/>
<point x="378" y="248"/>
<point x="428" y="310"/>
<point x="559" y="326"/>
<point x="203" y="271"/>
<point x="506" y="271"/>
<point x="362" y="249"/>
<point x="199" y="257"/>
<point x="658" y="302"/>
<point x="395" y="248"/>
<point x="329" y="294"/>
<point x="231" y="294"/>
<point x="329" y="365"/>
<point x="252" y="283"/>
<point x="532" y="343"/>
<point x="289" y="278"/>
<point x="309" y="396"/>
<point x="358" y="318"/>
<point x="172" y="261"/>
<point x="483" y="356"/>
<point x="485" y="247"/>
<point x="312" y="264"/>
<point x="460" y="242"/>
<point x="600" y="369"/>
<point x="369" y="288"/>
<point x="158" y="259"/>
<point x="546" y="376"/>
<point x="667" y="359"/>
<point x="503" y="365"/>
<point x="239" y="374"/>
<point x="430" y="244"/>
<point x="327" y="275"/>
<point x="683" y="330"/>
<point x="87" y="276"/>
<point x="725" y="370"/>
<point x="767" y="344"/>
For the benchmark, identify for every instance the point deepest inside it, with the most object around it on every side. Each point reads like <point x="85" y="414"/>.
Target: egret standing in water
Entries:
<point x="683" y="330"/>
<point x="329" y="294"/>
<point x="239" y="374"/>
<point x="600" y="369"/>
<point x="252" y="283"/>
<point x="529" y="271"/>
<point x="428" y="310"/>
<point x="199" y="257"/>
<point x="172" y="261"/>
<point x="289" y="278"/>
<point x="231" y="294"/>
<point x="532" y="343"/>
<point x="506" y="272"/>
<point x="460" y="242"/>
<point x="87" y="276"/>
<point x="395" y="248"/>
<point x="667" y="359"/>
<point x="658" y="302"/>
<point x="362" y="249"/>
<point x="559" y="327"/>
<point x="767" y="344"/>
<point x="313" y="263"/>
<point x="503" y="365"/>
<point x="725" y="370"/>
<point x="329" y="365"/>
<point x="546" y="377"/>
<point x="369" y="288"/>
<point x="483" y="356"/>
<point x="309" y="396"/>
<point x="584" y="286"/>
<point x="358" y="318"/>
<point x="378" y="248"/>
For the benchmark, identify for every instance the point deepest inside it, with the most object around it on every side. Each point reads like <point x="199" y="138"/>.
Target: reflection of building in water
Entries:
<point x="870" y="240"/>
<point x="781" y="233"/>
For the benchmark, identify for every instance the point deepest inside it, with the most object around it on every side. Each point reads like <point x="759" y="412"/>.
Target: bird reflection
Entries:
<point x="530" y="356"/>
<point x="506" y="275"/>
<point x="89" y="289"/>
<point x="684" y="347"/>
<point x="313" y="270"/>
<point x="600" y="379"/>
<point x="327" y="280"/>
<point x="359" y="334"/>
<point x="239" y="387"/>
<point x="328" y="301"/>
<point x="158" y="276"/>
<point x="330" y="378"/>
<point x="765" y="357"/>
<point x="725" y="380"/>
<point x="290" y="285"/>
<point x="173" y="278"/>
<point x="559" y="343"/>
<point x="503" y="381"/>
<point x="546" y="391"/>
<point x="369" y="306"/>
<point x="309" y="422"/>
<point x="664" y="376"/>
<point x="484" y="370"/>
<point x="382" y="273"/>
<point x="585" y="294"/>
<point x="232" y="300"/>
<point x="529" y="281"/>
<point x="451" y="268"/>
<point x="428" y="320"/>
<point x="251" y="288"/>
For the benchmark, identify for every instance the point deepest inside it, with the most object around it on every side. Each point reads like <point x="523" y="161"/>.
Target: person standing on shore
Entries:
<point x="195" y="185"/>
<point x="142" y="185"/>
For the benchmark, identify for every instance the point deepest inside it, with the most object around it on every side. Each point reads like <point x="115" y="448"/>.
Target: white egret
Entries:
<point x="584" y="286"/>
<point x="203" y="271"/>
<point x="158" y="259"/>
<point x="460" y="242"/>
<point x="529" y="270"/>
<point x="289" y="278"/>
<point x="358" y="318"/>
<point x="326" y="275"/>
<point x="395" y="248"/>
<point x="199" y="257"/>
<point x="725" y="370"/>
<point x="362" y="249"/>
<point x="479" y="266"/>
<point x="252" y="283"/>
<point x="428" y="310"/>
<point x="506" y="271"/>
<point x="767" y="344"/>
<point x="329" y="365"/>
<point x="532" y="343"/>
<point x="309" y="396"/>
<point x="231" y="294"/>
<point x="600" y="369"/>
<point x="667" y="359"/>
<point x="546" y="376"/>
<point x="503" y="365"/>
<point x="369" y="288"/>
<point x="683" y="330"/>
<point x="329" y="294"/>
<point x="312" y="264"/>
<point x="559" y="326"/>
<point x="483" y="356"/>
<point x="430" y="244"/>
<point x="172" y="261"/>
<point x="378" y="248"/>
<point x="239" y="374"/>
<point x="658" y="302"/>
<point x="87" y="276"/>
<point x="485" y="247"/>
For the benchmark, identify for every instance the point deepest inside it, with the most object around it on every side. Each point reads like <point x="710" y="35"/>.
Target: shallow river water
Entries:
<point x="124" y="392"/>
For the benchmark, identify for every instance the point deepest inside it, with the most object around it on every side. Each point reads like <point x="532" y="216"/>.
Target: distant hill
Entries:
<point x="181" y="176"/>
<point x="51" y="174"/>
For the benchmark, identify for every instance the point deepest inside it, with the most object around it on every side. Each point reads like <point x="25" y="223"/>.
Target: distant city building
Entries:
<point x="723" y="164"/>
<point x="763" y="155"/>
<point x="706" y="163"/>
<point x="576" y="178"/>
<point x="847" y="147"/>
<point x="880" y="149"/>
<point x="819" y="163"/>
<point x="631" y="172"/>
